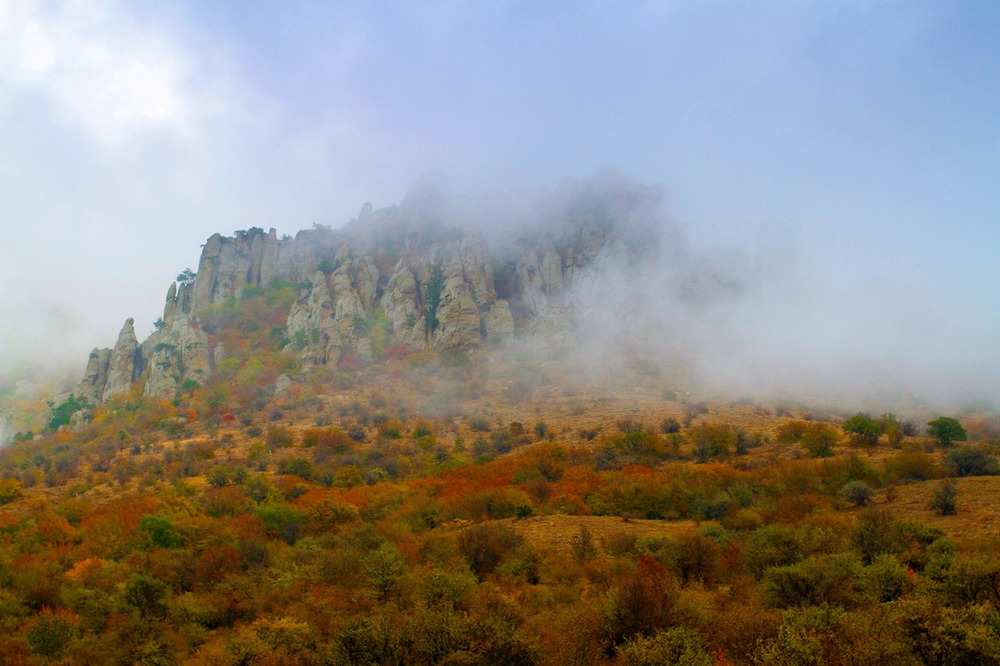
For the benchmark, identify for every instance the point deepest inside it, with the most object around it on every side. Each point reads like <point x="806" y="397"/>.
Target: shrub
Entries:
<point x="857" y="493"/>
<point x="583" y="546"/>
<point x="479" y="424"/>
<point x="161" y="532"/>
<point x="279" y="437"/>
<point x="281" y="520"/>
<point x="485" y="546"/>
<point x="692" y="410"/>
<point x="746" y="441"/>
<point x="885" y="579"/>
<point x="422" y="429"/>
<point x="817" y="580"/>
<point x="670" y="425"/>
<point x="10" y="490"/>
<point x="911" y="466"/>
<point x="621" y="542"/>
<point x="676" y="645"/>
<point x="874" y="533"/>
<point x="50" y="635"/>
<point x="943" y="500"/>
<point x="145" y="594"/>
<point x="818" y="439"/>
<point x="329" y="438"/>
<point x="712" y="440"/>
<point x="219" y="476"/>
<point x="970" y="461"/>
<point x="893" y="429"/>
<point x="63" y="413"/>
<point x="863" y="429"/>
<point x="299" y="467"/>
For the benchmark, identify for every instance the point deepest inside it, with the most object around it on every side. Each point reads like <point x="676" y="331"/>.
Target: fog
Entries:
<point x="771" y="317"/>
<point x="836" y="161"/>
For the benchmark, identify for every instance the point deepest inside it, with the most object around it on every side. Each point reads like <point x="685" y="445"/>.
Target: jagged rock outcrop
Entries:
<point x="124" y="364"/>
<point x="176" y="354"/>
<point x="404" y="275"/>
<point x="95" y="377"/>
<point x="111" y="371"/>
<point x="251" y="258"/>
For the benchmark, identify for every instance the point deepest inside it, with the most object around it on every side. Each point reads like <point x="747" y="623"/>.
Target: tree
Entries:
<point x="432" y="298"/>
<point x="62" y="413"/>
<point x="50" y="635"/>
<point x="161" y="532"/>
<point x="186" y="277"/>
<point x="863" y="429"/>
<point x="384" y="566"/>
<point x="892" y="428"/>
<point x="946" y="430"/>
<point x="145" y="593"/>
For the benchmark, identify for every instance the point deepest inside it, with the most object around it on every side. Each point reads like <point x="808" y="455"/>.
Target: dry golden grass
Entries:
<point x="558" y="533"/>
<point x="978" y="514"/>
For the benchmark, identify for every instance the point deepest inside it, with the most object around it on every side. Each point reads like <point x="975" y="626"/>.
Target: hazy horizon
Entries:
<point x="842" y="158"/>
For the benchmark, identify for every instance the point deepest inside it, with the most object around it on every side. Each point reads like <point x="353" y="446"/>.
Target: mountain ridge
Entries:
<point x="404" y="276"/>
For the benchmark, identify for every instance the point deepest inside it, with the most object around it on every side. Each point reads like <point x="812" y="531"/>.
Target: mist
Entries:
<point x="774" y="319"/>
<point x="777" y="312"/>
<point x="834" y="165"/>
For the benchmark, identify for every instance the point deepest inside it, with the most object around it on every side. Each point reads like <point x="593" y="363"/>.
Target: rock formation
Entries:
<point x="111" y="371"/>
<point x="397" y="276"/>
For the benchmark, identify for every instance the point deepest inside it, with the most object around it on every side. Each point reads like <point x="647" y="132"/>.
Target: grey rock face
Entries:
<point x="124" y="364"/>
<point x="175" y="354"/>
<point x="375" y="283"/>
<point x="95" y="377"/>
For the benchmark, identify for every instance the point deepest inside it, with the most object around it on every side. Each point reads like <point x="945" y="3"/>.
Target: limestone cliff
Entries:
<point x="411" y="275"/>
<point x="111" y="371"/>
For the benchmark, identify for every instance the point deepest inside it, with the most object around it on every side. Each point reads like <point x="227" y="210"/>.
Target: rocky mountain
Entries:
<point x="410" y="276"/>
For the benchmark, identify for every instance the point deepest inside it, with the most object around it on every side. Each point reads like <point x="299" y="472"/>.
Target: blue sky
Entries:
<point x="858" y="142"/>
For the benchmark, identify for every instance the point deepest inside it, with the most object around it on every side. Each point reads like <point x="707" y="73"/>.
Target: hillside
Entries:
<point x="404" y="442"/>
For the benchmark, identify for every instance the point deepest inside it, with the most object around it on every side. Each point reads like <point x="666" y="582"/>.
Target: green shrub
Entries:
<point x="161" y="532"/>
<point x="50" y="635"/>
<point x="678" y="646"/>
<point x="857" y="493"/>
<point x="822" y="579"/>
<point x="299" y="467"/>
<point x="863" y="429"/>
<point x="970" y="461"/>
<point x="713" y="440"/>
<point x="944" y="499"/>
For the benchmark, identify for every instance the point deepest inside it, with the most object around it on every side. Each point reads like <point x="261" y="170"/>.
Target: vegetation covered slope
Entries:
<point x="488" y="508"/>
<point x="303" y="465"/>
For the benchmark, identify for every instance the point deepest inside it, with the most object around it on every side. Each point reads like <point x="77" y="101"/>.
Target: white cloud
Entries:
<point x="99" y="72"/>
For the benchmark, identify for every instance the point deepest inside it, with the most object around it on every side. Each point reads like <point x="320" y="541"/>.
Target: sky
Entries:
<point x="849" y="151"/>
